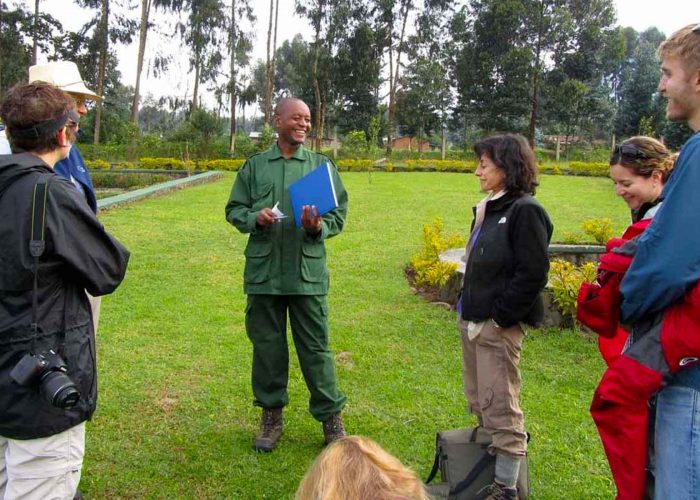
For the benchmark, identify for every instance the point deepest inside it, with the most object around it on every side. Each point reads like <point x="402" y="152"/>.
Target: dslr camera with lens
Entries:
<point x="48" y="370"/>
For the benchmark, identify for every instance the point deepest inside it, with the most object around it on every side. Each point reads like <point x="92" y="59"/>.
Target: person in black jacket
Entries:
<point x="506" y="269"/>
<point x="42" y="438"/>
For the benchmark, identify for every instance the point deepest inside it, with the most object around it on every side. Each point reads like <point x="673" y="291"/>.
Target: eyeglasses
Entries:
<point x="628" y="151"/>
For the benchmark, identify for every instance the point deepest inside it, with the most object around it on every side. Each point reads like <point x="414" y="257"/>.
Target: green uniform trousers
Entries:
<point x="266" y="325"/>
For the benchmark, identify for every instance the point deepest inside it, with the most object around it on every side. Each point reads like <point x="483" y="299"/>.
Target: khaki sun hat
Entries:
<point x="64" y="75"/>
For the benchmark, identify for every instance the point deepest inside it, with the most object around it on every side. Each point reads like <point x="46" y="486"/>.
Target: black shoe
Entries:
<point x="333" y="429"/>
<point x="270" y="430"/>
<point x="496" y="491"/>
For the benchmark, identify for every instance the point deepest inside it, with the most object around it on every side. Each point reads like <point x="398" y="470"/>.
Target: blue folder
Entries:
<point x="315" y="188"/>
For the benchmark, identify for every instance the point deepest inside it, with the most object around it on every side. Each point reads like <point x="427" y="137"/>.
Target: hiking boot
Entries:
<point x="496" y="491"/>
<point x="270" y="430"/>
<point x="333" y="428"/>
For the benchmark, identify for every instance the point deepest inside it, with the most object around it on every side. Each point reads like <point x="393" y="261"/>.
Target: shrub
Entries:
<point x="161" y="163"/>
<point x="109" y="180"/>
<point x="566" y="279"/>
<point x="572" y="238"/>
<point x="599" y="229"/>
<point x="599" y="169"/>
<point x="428" y="269"/>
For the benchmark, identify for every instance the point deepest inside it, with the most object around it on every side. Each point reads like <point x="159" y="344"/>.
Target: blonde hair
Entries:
<point x="655" y="157"/>
<point x="684" y="44"/>
<point x="357" y="468"/>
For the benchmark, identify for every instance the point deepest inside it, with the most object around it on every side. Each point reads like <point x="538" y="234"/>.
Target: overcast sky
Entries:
<point x="667" y="15"/>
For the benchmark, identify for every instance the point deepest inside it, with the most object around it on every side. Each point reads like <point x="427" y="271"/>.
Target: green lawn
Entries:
<point x="175" y="418"/>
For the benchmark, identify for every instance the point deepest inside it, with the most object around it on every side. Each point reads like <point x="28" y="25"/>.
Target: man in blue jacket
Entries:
<point x="667" y="264"/>
<point x="65" y="76"/>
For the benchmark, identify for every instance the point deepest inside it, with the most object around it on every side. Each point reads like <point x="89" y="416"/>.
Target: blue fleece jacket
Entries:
<point x="73" y="168"/>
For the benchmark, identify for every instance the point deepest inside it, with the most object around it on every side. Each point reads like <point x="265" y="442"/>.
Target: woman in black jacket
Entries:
<point x="506" y="269"/>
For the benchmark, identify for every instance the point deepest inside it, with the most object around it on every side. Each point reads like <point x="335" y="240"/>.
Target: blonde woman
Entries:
<point x="357" y="468"/>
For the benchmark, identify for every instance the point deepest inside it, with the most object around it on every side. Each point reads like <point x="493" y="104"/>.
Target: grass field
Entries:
<point x="175" y="418"/>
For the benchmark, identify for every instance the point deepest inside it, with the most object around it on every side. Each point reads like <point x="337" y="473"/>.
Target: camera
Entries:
<point x="48" y="370"/>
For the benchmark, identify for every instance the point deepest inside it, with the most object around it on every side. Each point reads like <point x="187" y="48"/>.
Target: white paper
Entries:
<point x="278" y="213"/>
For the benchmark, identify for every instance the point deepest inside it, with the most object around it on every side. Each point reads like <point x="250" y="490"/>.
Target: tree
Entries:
<point x="639" y="86"/>
<point x="20" y="31"/>
<point x="394" y="12"/>
<point x="202" y="34"/>
<point x="267" y="109"/>
<point x="240" y="45"/>
<point x="330" y="20"/>
<point x="81" y="48"/>
<point x="359" y="62"/>
<point x="160" y="62"/>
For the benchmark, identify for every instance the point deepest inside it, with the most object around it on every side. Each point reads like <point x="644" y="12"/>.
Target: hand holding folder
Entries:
<point x="315" y="189"/>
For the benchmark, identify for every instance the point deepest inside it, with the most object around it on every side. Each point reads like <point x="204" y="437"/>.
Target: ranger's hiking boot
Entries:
<point x="333" y="429"/>
<point x="496" y="491"/>
<point x="270" y="430"/>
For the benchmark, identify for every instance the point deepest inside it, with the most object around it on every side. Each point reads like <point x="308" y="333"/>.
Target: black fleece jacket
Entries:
<point x="80" y="255"/>
<point x="507" y="268"/>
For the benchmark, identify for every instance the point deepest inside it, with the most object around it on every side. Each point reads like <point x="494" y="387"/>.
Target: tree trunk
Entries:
<point x="536" y="81"/>
<point x="394" y="82"/>
<point x="104" y="46"/>
<point x="268" y="67"/>
<point x="318" y="121"/>
<point x="273" y="56"/>
<point x="195" y="92"/>
<point x="389" y="131"/>
<point x="232" y="84"/>
<point x="35" y="29"/>
<point x="145" y="14"/>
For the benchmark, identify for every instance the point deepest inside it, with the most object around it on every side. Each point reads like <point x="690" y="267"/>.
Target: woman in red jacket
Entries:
<point x="639" y="167"/>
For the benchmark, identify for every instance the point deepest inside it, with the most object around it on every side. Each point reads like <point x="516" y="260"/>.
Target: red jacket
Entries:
<point x="663" y="346"/>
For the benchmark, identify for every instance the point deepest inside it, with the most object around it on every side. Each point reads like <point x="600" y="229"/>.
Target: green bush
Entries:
<point x="108" y="180"/>
<point x="428" y="269"/>
<point x="566" y="279"/>
<point x="600" y="230"/>
<point x="598" y="169"/>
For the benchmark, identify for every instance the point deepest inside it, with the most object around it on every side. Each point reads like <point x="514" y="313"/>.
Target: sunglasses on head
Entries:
<point x="627" y="151"/>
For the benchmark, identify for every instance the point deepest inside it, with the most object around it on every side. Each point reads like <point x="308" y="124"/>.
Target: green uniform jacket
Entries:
<point x="282" y="259"/>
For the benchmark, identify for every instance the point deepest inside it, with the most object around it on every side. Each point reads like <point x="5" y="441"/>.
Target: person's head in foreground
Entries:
<point x="506" y="162"/>
<point x="680" y="81"/>
<point x="40" y="119"/>
<point x="639" y="167"/>
<point x="357" y="468"/>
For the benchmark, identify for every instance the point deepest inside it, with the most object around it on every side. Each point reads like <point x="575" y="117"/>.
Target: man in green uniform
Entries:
<point x="285" y="273"/>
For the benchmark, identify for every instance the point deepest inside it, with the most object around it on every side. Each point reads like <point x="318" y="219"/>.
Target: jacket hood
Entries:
<point x="12" y="167"/>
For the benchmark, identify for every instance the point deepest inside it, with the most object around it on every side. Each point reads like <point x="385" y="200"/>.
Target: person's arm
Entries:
<point x="333" y="222"/>
<point x="530" y="239"/>
<point x="667" y="260"/>
<point x="239" y="210"/>
<point x="95" y="259"/>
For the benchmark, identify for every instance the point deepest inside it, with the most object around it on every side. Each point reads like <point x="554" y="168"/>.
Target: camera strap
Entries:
<point x="37" y="244"/>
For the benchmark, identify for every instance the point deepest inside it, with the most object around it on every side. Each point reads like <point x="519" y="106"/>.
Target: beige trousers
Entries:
<point x="492" y="384"/>
<point x="44" y="468"/>
<point x="95" y="307"/>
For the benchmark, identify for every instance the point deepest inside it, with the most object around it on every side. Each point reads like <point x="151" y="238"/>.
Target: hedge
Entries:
<point x="598" y="169"/>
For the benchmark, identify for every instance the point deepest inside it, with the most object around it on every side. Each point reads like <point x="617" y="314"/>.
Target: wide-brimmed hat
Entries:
<point x="64" y="75"/>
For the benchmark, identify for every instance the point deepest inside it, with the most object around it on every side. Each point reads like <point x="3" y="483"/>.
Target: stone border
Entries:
<point x="157" y="190"/>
